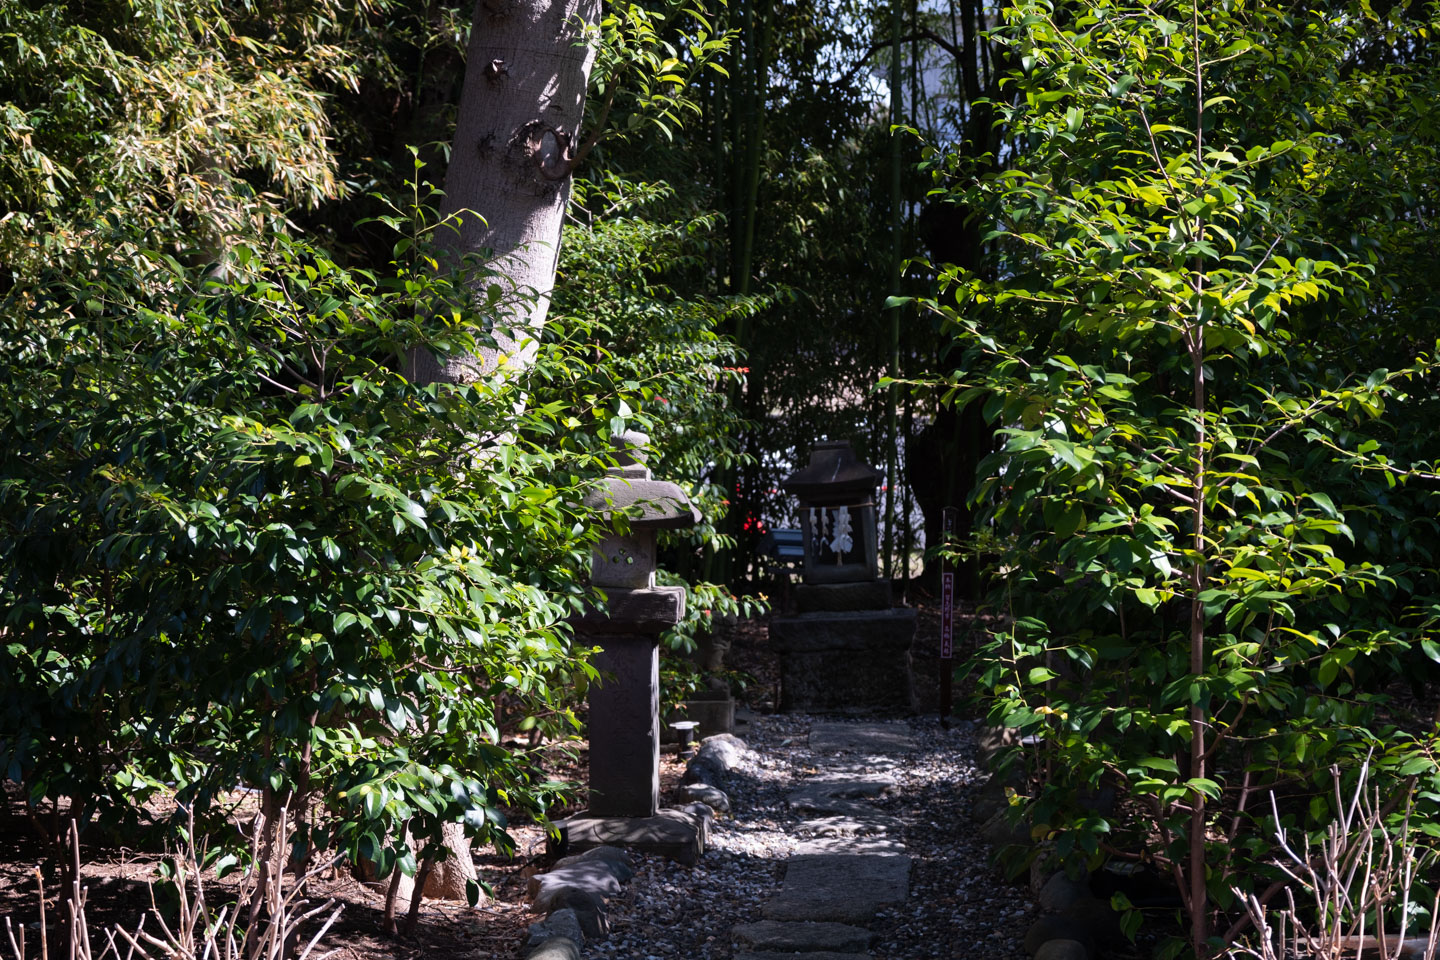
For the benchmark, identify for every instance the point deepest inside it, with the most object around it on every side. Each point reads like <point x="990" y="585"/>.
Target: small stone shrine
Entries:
<point x="847" y="648"/>
<point x="625" y="709"/>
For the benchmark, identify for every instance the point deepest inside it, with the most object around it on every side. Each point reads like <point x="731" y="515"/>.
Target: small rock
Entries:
<point x="1060" y="892"/>
<point x="556" y="948"/>
<point x="1100" y="800"/>
<point x="725" y="748"/>
<point x="697" y="811"/>
<point x="1062" y="950"/>
<point x="604" y="852"/>
<point x="1098" y="917"/>
<point x="991" y="740"/>
<point x="1055" y="927"/>
<point x="588" y="908"/>
<point x="999" y="831"/>
<point x="591" y="876"/>
<point x="706" y="770"/>
<point x="619" y="861"/>
<point x="986" y="804"/>
<point x="1044" y="865"/>
<point x="712" y="797"/>
<point x="561" y="923"/>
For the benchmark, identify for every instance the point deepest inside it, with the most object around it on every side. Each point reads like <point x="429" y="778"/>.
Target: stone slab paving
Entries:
<point x="822" y="804"/>
<point x="833" y="795"/>
<point x="852" y="863"/>
<point x="811" y="936"/>
<point x="869" y="846"/>
<point x="850" y="888"/>
<point x="878" y="738"/>
<point x="867" y="825"/>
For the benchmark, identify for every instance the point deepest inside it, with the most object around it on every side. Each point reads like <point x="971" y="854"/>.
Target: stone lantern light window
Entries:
<point x="837" y="514"/>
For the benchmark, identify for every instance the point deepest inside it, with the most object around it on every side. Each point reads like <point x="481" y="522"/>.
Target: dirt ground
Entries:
<point x="122" y="887"/>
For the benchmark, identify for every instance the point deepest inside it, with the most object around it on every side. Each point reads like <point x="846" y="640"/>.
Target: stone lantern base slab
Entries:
<point x="842" y="597"/>
<point x="679" y="833"/>
<point x="848" y="662"/>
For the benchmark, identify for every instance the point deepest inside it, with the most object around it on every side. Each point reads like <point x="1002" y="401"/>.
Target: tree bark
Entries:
<point x="507" y="187"/>
<point x="508" y="180"/>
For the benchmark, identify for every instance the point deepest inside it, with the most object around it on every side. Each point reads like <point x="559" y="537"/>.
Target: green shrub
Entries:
<point x="1187" y="445"/>
<point x="240" y="549"/>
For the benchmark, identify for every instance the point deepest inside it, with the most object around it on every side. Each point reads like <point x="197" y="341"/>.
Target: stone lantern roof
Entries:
<point x="630" y="491"/>
<point x="833" y="477"/>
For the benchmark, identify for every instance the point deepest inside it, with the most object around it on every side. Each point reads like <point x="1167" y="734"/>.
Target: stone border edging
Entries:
<point x="706" y="771"/>
<point x="1075" y="924"/>
<point x="574" y="891"/>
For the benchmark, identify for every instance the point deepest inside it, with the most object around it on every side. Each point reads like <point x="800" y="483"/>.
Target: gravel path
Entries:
<point x="958" y="905"/>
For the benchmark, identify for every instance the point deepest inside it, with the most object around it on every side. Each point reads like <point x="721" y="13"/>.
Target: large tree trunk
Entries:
<point x="507" y="185"/>
<point x="508" y="181"/>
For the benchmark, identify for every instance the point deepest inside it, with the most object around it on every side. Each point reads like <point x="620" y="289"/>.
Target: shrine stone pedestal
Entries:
<point x="625" y="710"/>
<point x="846" y="661"/>
<point x="848" y="648"/>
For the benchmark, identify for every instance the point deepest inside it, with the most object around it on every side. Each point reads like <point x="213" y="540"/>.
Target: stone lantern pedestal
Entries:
<point x="848" y="647"/>
<point x="624" y="723"/>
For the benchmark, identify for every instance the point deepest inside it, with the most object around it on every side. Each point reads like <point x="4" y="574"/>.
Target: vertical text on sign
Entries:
<point x="947" y="615"/>
<point x="947" y="593"/>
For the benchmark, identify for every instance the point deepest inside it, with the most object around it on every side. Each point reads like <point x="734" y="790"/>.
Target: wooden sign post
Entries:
<point x="947" y="619"/>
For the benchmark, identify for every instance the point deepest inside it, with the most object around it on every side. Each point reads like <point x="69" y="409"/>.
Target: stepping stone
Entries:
<point x="866" y="825"/>
<point x="847" y="765"/>
<point x="843" y="789"/>
<point x="824" y="805"/>
<point x="803" y="937"/>
<point x="872" y="846"/>
<point x="841" y="887"/>
<point x="861" y="738"/>
<point x="837" y="795"/>
<point x="859" y="783"/>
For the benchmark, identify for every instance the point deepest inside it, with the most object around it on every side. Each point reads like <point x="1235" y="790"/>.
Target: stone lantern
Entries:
<point x="847" y="648"/>
<point x="624" y="722"/>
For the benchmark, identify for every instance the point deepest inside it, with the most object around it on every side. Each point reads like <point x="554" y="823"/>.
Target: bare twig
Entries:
<point x="1359" y="870"/>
